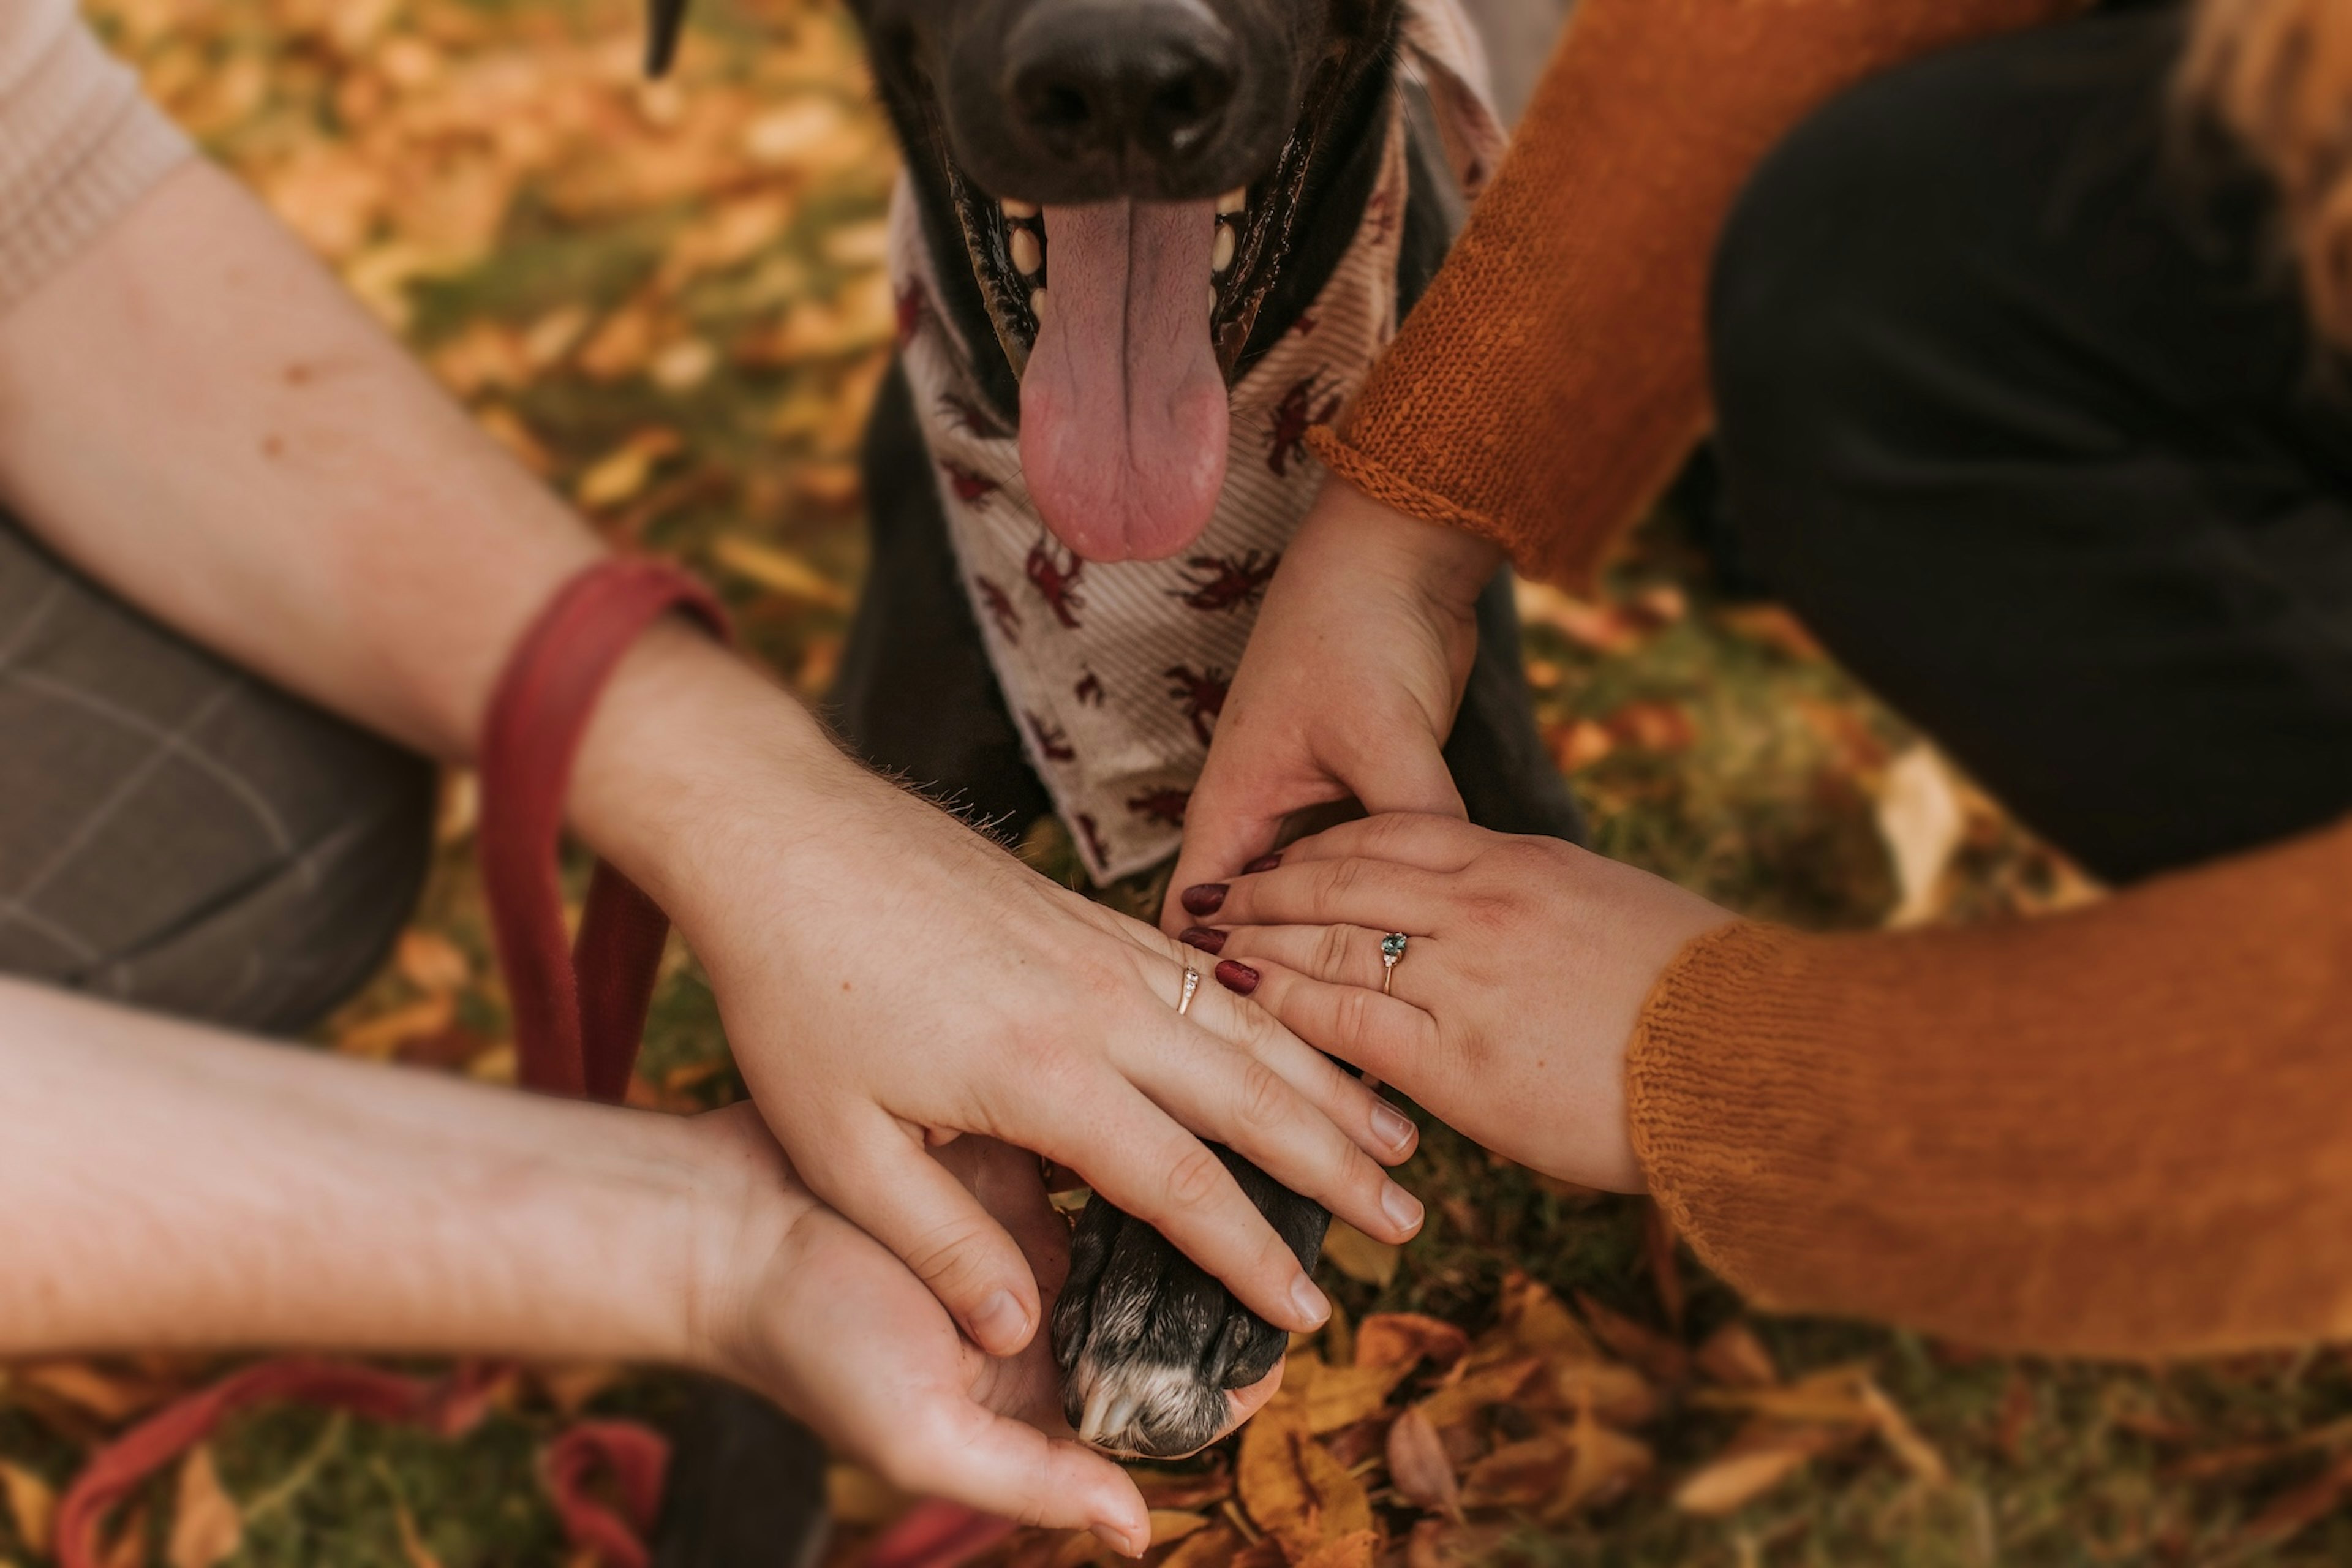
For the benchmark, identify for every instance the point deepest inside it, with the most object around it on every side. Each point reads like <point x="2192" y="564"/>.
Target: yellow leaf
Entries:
<point x="1343" y="1395"/>
<point x="778" y="572"/>
<point x="1918" y="1455"/>
<point x="32" y="1504"/>
<point x="1732" y="1483"/>
<point x="856" y="1496"/>
<point x="109" y="1398"/>
<point x="1359" y="1256"/>
<point x="1489" y="1386"/>
<point x="380" y="1037"/>
<point x="431" y="961"/>
<point x="1534" y="1321"/>
<point x="205" y="1524"/>
<point x="622" y="473"/>
<point x="1174" y="1524"/>
<point x="1921" y="819"/>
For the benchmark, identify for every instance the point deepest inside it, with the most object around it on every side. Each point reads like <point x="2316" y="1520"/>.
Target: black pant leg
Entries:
<point x="2020" y="411"/>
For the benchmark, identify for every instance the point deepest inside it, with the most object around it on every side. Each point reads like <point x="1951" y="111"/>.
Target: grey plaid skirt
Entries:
<point x="178" y="833"/>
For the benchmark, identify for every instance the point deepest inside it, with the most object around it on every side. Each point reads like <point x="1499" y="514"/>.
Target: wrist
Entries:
<point x="1445" y="565"/>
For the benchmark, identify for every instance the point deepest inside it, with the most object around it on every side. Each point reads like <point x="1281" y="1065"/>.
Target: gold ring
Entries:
<point x="1391" y="950"/>
<point x="1191" y="988"/>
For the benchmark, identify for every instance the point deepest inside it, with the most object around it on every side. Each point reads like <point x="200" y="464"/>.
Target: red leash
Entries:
<point x="579" y="1012"/>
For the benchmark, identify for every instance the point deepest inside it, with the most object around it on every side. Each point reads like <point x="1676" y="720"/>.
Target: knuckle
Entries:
<point x="1344" y="878"/>
<point x="952" y="1257"/>
<point x="1262" y="1100"/>
<point x="1196" y="1177"/>
<point x="1332" y="952"/>
<point x="1353" y="1014"/>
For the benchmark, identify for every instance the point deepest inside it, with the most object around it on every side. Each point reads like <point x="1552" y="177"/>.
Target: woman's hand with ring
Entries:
<point x="1525" y="967"/>
<point x="890" y="981"/>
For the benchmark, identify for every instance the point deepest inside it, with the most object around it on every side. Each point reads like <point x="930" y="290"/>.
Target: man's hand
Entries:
<point x="822" y="1318"/>
<point x="1349" y="686"/>
<point x="890" y="980"/>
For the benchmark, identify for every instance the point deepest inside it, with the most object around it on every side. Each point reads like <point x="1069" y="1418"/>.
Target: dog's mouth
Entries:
<point x="1127" y="323"/>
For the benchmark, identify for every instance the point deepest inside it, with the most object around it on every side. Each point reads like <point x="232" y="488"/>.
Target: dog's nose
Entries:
<point x="1099" y="80"/>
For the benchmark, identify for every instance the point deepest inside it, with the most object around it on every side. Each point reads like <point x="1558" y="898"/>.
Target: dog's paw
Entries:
<point x="1149" y="1346"/>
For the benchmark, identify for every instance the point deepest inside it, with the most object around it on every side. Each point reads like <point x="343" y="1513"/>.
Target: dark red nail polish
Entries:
<point x="1202" y="937"/>
<point x="1263" y="863"/>
<point x="1238" y="978"/>
<point x="1204" y="899"/>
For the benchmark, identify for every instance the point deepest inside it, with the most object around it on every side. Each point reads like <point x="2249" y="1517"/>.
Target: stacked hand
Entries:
<point x="1527" y="959"/>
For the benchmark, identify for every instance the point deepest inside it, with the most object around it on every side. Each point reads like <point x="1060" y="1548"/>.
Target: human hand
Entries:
<point x="1526" y="964"/>
<point x="799" y="1304"/>
<point x="1349" y="685"/>
<point x="890" y="980"/>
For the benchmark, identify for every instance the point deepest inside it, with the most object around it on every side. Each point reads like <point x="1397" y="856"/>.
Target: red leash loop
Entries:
<point x="578" y="1011"/>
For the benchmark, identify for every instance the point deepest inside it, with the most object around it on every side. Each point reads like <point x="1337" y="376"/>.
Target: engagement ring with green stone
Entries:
<point x="1391" y="949"/>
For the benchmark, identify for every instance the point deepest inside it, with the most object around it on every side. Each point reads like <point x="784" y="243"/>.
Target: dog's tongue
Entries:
<point x="1122" y="407"/>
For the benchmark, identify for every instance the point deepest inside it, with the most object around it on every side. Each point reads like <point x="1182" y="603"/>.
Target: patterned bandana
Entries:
<point x="1115" y="672"/>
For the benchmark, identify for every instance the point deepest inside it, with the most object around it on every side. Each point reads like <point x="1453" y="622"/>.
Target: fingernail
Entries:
<point x="1402" y="1207"/>
<point x="999" y="1321"/>
<point x="1206" y="938"/>
<point x="1393" y="1126"/>
<point x="1238" y="978"/>
<point x="1204" y="899"/>
<point x="1263" y="863"/>
<point x="1120" y="1539"/>
<point x="1311" y="1304"/>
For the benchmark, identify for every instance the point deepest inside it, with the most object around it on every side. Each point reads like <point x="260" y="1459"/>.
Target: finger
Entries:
<point x="1378" y="894"/>
<point x="1401" y="767"/>
<point x="1369" y="1122"/>
<point x="1243" y="1104"/>
<point x="1340" y="954"/>
<point x="1010" y="1184"/>
<point x="1434" y="843"/>
<point x="1137" y="1157"/>
<point x="1387" y="1036"/>
<point x="1228" y="825"/>
<point x="912" y="1204"/>
<point x="1006" y="1468"/>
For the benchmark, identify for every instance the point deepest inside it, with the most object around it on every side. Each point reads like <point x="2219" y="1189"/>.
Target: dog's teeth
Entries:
<point x="1233" y="201"/>
<point x="1222" y="256"/>
<point x="1038" y="305"/>
<point x="1027" y="254"/>
<point x="1019" y="211"/>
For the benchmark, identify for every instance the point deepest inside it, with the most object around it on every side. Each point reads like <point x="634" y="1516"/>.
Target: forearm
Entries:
<point x="195" y="413"/>
<point x="171" y="1186"/>
<point x="2116" y="1132"/>
<point x="1554" y="376"/>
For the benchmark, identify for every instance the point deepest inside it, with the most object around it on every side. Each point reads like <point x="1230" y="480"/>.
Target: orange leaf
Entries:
<point x="1418" y="1467"/>
<point x="1522" y="1474"/>
<point x="1534" y="1321"/>
<point x="1359" y="1256"/>
<point x="384" y="1035"/>
<point x="1169" y="1524"/>
<point x="32" y="1504"/>
<point x="1895" y="1429"/>
<point x="1736" y="1358"/>
<point x="431" y="961"/>
<point x="207" y="1524"/>
<point x="1353" y="1550"/>
<point x="1491" y="1385"/>
<point x="1653" y="1352"/>
<point x="1294" y="1490"/>
<point x="1403" y="1339"/>
<point x="1210" y="1548"/>
<point x="129" y="1547"/>
<point x="109" y="1398"/>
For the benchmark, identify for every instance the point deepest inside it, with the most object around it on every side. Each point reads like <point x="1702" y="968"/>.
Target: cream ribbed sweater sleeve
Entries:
<point x="78" y="143"/>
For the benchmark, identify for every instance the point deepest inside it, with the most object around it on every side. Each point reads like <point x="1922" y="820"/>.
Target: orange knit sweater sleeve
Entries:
<point x="2122" y="1131"/>
<point x="1554" y="375"/>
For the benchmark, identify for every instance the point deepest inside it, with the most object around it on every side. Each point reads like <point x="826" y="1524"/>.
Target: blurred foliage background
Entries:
<point x="667" y="302"/>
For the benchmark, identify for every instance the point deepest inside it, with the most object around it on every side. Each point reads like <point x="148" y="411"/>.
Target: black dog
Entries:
<point x="1273" y="116"/>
